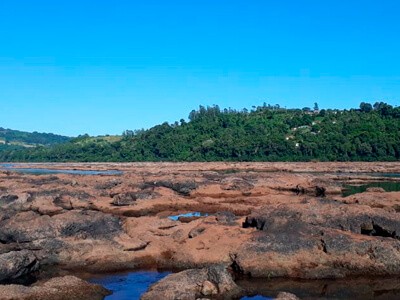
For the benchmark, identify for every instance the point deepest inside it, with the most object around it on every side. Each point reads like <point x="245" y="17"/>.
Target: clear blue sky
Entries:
<point x="99" y="67"/>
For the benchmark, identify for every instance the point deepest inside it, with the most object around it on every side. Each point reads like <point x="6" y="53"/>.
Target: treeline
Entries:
<point x="264" y="133"/>
<point x="9" y="136"/>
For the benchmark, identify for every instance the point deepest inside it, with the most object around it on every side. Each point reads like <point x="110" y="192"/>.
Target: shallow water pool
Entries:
<point x="45" y="171"/>
<point x="128" y="286"/>
<point x="188" y="215"/>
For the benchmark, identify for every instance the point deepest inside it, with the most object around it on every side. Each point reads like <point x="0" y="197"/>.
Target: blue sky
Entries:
<point x="100" y="67"/>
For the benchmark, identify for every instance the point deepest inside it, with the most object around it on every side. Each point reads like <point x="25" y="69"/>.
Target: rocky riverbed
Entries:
<point x="240" y="221"/>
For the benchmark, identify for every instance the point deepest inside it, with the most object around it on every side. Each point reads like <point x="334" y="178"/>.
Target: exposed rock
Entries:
<point x="63" y="223"/>
<point x="108" y="184"/>
<point x="58" y="288"/>
<point x="320" y="191"/>
<point x="183" y="188"/>
<point x="236" y="184"/>
<point x="321" y="239"/>
<point x="63" y="202"/>
<point x="193" y="284"/>
<point x="43" y="179"/>
<point x="375" y="190"/>
<point x="328" y="214"/>
<point x="16" y="264"/>
<point x="196" y="231"/>
<point x="26" y="227"/>
<point x="17" y="202"/>
<point x="124" y="199"/>
<point x="208" y="288"/>
<point x="45" y="205"/>
<point x="226" y="218"/>
<point x="146" y="194"/>
<point x="85" y="224"/>
<point x="286" y="296"/>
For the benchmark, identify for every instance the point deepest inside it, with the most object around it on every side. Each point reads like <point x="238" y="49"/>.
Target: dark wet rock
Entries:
<point x="6" y="199"/>
<point x="76" y="194"/>
<point x="29" y="226"/>
<point x="45" y="192"/>
<point x="26" y="227"/>
<point x="320" y="191"/>
<point x="124" y="199"/>
<point x="16" y="264"/>
<point x="321" y="239"/>
<point x="329" y="214"/>
<point x="47" y="250"/>
<point x="85" y="224"/>
<point x="182" y="188"/>
<point x="214" y="281"/>
<point x="299" y="190"/>
<point x="146" y="194"/>
<point x="58" y="288"/>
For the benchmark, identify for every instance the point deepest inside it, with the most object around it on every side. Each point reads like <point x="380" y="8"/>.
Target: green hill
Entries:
<point x="28" y="139"/>
<point x="265" y="133"/>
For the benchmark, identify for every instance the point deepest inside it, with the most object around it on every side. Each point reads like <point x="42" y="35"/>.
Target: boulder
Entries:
<point x="26" y="227"/>
<point x="321" y="239"/>
<point x="124" y="199"/>
<point x="58" y="288"/>
<point x="87" y="224"/>
<point x="286" y="296"/>
<point x="16" y="264"/>
<point x="214" y="281"/>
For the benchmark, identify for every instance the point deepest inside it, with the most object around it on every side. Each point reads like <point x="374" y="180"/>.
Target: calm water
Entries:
<point x="39" y="171"/>
<point x="190" y="214"/>
<point x="388" y="186"/>
<point x="129" y="286"/>
<point x="340" y="289"/>
<point x="258" y="297"/>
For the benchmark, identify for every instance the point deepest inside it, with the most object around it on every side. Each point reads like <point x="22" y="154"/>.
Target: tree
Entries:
<point x="365" y="107"/>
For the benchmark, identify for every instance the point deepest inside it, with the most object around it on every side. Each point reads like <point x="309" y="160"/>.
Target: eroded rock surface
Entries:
<point x="59" y="288"/>
<point x="260" y="219"/>
<point x="213" y="282"/>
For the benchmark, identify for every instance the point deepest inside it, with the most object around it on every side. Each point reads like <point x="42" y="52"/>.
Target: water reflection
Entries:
<point x="341" y="289"/>
<point x="388" y="186"/>
<point x="44" y="171"/>
<point x="128" y="286"/>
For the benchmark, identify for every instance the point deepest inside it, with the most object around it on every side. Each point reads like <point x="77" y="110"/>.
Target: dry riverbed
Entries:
<point x="217" y="223"/>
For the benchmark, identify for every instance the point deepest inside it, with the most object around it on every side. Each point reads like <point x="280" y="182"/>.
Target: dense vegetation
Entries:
<point x="21" y="138"/>
<point x="265" y="133"/>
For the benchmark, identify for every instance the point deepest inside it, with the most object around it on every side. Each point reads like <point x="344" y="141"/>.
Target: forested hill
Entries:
<point x="265" y="133"/>
<point x="9" y="137"/>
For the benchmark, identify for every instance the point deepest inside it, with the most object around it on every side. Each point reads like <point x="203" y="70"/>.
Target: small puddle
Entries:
<point x="46" y="171"/>
<point x="188" y="215"/>
<point x="388" y="186"/>
<point x="128" y="286"/>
